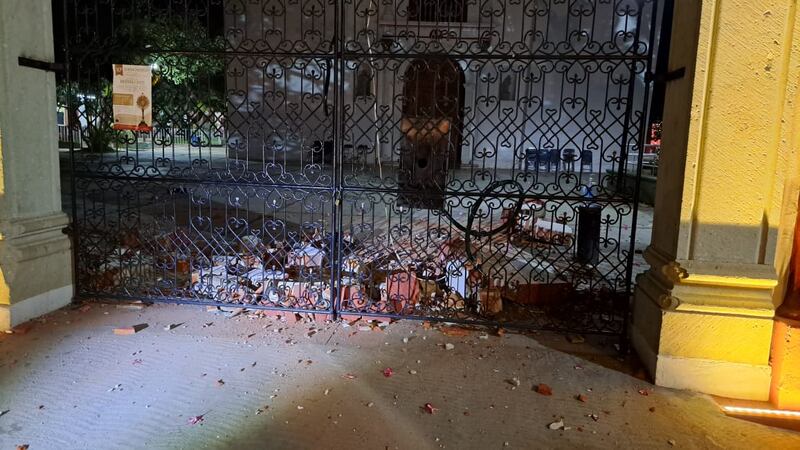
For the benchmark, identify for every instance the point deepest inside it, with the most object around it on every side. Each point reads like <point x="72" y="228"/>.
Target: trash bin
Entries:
<point x="589" y="234"/>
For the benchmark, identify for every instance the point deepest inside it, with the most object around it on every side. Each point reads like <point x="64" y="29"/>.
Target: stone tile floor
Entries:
<point x="258" y="382"/>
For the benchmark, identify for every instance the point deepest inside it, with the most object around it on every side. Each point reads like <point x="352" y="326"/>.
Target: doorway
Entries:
<point x="433" y="107"/>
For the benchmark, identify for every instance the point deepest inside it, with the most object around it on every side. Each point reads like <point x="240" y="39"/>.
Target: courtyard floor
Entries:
<point x="198" y="379"/>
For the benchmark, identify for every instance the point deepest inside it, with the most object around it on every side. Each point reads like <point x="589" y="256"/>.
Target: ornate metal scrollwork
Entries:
<point x="411" y="158"/>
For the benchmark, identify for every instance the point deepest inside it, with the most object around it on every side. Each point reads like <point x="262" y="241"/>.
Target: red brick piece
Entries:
<point x="124" y="331"/>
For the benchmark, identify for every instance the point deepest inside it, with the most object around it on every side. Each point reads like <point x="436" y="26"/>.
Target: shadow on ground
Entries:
<point x="259" y="382"/>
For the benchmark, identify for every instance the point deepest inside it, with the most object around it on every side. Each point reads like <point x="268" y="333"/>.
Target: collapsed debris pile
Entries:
<point x="416" y="267"/>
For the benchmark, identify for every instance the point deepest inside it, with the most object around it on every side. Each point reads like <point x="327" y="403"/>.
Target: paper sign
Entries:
<point x="132" y="98"/>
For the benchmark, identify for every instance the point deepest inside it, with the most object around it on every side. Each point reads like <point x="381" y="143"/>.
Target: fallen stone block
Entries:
<point x="308" y="256"/>
<point x="490" y="301"/>
<point x="124" y="331"/>
<point x="402" y="290"/>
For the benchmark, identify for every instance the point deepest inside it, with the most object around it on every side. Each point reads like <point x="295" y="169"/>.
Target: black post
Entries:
<point x="589" y="234"/>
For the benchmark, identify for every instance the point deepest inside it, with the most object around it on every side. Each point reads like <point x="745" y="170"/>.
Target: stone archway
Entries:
<point x="433" y="92"/>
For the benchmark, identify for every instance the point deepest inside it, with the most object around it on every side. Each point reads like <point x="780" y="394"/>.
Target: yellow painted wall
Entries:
<point x="739" y="145"/>
<point x="726" y="200"/>
<point x="785" y="359"/>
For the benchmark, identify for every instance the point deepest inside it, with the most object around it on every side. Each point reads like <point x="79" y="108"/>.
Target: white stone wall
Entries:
<point x="285" y="96"/>
<point x="35" y="259"/>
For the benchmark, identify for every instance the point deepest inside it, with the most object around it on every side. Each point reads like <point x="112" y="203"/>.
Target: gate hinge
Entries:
<point x="41" y="65"/>
<point x="672" y="75"/>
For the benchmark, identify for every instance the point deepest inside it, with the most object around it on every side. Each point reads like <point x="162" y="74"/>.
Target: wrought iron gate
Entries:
<point x="459" y="160"/>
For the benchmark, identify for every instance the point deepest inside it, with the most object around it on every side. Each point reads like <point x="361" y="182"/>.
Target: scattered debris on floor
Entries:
<point x="455" y="331"/>
<point x="569" y="403"/>
<point x="429" y="408"/>
<point x="194" y="420"/>
<point x="557" y="425"/>
<point x="135" y="305"/>
<point x="231" y="312"/>
<point x="543" y="389"/>
<point x="125" y="331"/>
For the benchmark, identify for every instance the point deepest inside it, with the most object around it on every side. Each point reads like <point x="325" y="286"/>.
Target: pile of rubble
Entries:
<point x="424" y="271"/>
<point x="416" y="267"/>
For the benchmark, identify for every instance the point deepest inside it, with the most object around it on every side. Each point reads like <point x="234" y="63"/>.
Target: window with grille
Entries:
<point x="437" y="10"/>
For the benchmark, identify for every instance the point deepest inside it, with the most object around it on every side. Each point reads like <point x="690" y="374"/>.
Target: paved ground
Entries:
<point x="69" y="382"/>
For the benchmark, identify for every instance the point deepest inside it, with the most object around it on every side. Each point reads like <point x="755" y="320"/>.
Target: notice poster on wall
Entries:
<point x="133" y="105"/>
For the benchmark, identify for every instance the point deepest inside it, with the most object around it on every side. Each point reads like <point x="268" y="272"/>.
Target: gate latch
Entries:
<point x="41" y="65"/>
<point x="337" y="197"/>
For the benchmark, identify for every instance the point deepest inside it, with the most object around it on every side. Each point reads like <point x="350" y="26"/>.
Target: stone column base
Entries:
<point x="25" y="310"/>
<point x="785" y="358"/>
<point x="716" y="376"/>
<point x="708" y="333"/>
<point x="35" y="268"/>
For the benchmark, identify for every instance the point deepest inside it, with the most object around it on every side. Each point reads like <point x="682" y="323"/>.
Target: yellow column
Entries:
<point x="726" y="198"/>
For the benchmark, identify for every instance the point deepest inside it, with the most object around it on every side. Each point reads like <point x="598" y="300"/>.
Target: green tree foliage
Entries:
<point x="188" y="67"/>
<point x="188" y="77"/>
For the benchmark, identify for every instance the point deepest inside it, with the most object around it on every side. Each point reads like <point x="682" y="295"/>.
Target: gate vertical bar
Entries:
<point x="337" y="65"/>
<point x="75" y="231"/>
<point x="644" y="121"/>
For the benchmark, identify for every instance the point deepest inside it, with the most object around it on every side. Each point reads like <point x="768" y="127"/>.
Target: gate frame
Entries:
<point x="338" y="58"/>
